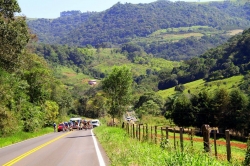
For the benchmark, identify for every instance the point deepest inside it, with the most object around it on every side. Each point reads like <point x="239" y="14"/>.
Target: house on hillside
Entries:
<point x="92" y="82"/>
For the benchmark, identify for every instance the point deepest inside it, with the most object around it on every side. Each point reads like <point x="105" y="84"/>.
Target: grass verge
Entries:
<point x="123" y="150"/>
<point x="21" y="136"/>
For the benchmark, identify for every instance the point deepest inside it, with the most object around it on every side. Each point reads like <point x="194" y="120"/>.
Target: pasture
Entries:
<point x="124" y="150"/>
<point x="200" y="85"/>
<point x="105" y="59"/>
<point x="176" y="34"/>
<point x="71" y="77"/>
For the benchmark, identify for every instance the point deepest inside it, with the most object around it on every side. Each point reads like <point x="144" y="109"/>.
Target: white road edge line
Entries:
<point x="99" y="155"/>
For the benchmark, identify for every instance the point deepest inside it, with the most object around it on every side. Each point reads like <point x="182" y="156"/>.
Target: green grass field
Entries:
<point x="124" y="150"/>
<point x="70" y="77"/>
<point x="199" y="85"/>
<point x="176" y="34"/>
<point x="105" y="59"/>
<point x="21" y="136"/>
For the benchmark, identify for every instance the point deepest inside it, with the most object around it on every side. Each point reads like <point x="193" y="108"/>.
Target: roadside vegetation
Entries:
<point x="21" y="136"/>
<point x="123" y="150"/>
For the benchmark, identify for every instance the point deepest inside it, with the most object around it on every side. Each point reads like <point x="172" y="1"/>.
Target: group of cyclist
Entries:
<point x="86" y="124"/>
<point x="68" y="126"/>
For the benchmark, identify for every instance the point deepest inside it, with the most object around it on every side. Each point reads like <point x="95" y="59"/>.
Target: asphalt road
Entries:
<point x="75" y="148"/>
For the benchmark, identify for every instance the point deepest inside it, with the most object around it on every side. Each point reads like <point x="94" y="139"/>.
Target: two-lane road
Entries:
<point x="78" y="147"/>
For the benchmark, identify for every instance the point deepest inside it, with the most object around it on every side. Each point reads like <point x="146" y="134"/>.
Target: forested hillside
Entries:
<point x="170" y="30"/>
<point x="97" y="62"/>
<point x="229" y="59"/>
<point x="123" y="22"/>
<point x="52" y="30"/>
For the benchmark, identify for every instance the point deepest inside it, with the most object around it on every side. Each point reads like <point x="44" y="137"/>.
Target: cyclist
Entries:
<point x="85" y="124"/>
<point x="54" y="125"/>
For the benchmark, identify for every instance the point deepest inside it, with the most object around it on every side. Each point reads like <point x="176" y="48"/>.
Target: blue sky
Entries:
<point x="52" y="8"/>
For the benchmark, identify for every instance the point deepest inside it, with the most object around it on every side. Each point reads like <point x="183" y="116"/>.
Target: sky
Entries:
<point x="52" y="8"/>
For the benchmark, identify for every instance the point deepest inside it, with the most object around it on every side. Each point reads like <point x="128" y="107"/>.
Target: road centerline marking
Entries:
<point x="13" y="161"/>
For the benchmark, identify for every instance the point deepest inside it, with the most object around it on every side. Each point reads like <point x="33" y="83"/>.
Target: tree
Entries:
<point x="148" y="107"/>
<point x="169" y="107"/>
<point x="50" y="112"/>
<point x="96" y="106"/>
<point x="183" y="114"/>
<point x="117" y="88"/>
<point x="202" y="104"/>
<point x="237" y="116"/>
<point x="149" y="96"/>
<point x="14" y="35"/>
<point x="221" y="101"/>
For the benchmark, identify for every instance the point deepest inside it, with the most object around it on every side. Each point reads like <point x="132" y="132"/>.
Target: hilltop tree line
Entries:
<point x="51" y="30"/>
<point x="124" y="22"/>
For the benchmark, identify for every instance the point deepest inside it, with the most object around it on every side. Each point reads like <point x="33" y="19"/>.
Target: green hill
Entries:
<point x="124" y="22"/>
<point x="224" y="61"/>
<point x="197" y="86"/>
<point x="75" y="66"/>
<point x="170" y="30"/>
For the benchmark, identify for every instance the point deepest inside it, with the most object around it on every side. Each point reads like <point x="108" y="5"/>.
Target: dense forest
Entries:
<point x="123" y="22"/>
<point x="31" y="97"/>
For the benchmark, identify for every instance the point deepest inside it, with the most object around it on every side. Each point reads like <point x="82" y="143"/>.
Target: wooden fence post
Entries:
<point x="167" y="133"/>
<point x="136" y="131"/>
<point x="206" y="136"/>
<point x="128" y="128"/>
<point x="161" y="134"/>
<point x="143" y="132"/>
<point x="133" y="130"/>
<point x="139" y="132"/>
<point x="191" y="137"/>
<point x="215" y="146"/>
<point x="181" y="138"/>
<point x="155" y="134"/>
<point x="174" y="139"/>
<point x="151" y="133"/>
<point x="147" y="132"/>
<point x="228" y="145"/>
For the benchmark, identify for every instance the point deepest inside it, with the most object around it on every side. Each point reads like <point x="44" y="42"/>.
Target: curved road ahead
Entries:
<point x="78" y="147"/>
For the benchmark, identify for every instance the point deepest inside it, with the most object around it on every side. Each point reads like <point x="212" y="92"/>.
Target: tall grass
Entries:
<point x="123" y="150"/>
<point x="21" y="136"/>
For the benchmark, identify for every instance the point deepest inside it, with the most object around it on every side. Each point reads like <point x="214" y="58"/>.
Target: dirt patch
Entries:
<point x="234" y="32"/>
<point x="218" y="142"/>
<point x="184" y="35"/>
<point x="69" y="74"/>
